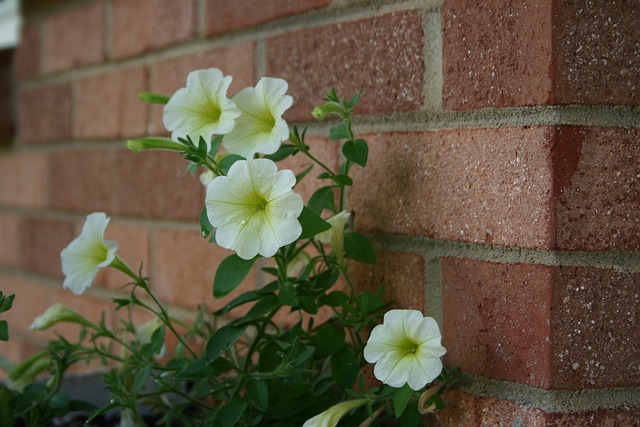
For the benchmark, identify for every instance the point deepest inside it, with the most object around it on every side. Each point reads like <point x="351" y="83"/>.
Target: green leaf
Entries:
<point x="231" y="412"/>
<point x="410" y="417"/>
<point x="357" y="151"/>
<point x="341" y="131"/>
<point x="283" y="152"/>
<point x="342" y="179"/>
<point x="230" y="274"/>
<point x="205" y="225"/>
<point x="228" y="161"/>
<point x="153" y="98"/>
<point x="328" y="340"/>
<point x="258" y="394"/>
<point x="262" y="307"/>
<point x="221" y="340"/>
<point x="323" y="198"/>
<point x="357" y="246"/>
<point x="157" y="340"/>
<point x="215" y="145"/>
<point x="344" y="368"/>
<point x="302" y="174"/>
<point x="6" y="302"/>
<point x="287" y="294"/>
<point x="334" y="299"/>
<point x="141" y="378"/>
<point x="401" y="399"/>
<point x="239" y="300"/>
<point x="311" y="223"/>
<point x="4" y="330"/>
<point x="6" y="411"/>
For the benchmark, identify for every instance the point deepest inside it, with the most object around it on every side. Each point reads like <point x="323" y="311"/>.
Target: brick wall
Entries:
<point x="504" y="157"/>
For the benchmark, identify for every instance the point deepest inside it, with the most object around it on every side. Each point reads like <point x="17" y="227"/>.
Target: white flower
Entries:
<point x="55" y="314"/>
<point x="144" y="333"/>
<point x="254" y="209"/>
<point x="332" y="416"/>
<point x="406" y="349"/>
<point x="260" y="128"/>
<point x="334" y="235"/>
<point x="87" y="254"/>
<point x="201" y="109"/>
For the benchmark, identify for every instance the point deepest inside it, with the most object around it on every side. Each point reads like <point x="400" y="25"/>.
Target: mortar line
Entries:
<point x="433" y="289"/>
<point x="622" y="261"/>
<point x="564" y="401"/>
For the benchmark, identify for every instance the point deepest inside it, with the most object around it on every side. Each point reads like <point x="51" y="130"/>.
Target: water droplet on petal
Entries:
<point x="243" y="222"/>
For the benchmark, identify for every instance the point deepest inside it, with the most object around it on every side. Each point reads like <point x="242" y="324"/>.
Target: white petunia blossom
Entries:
<point x="201" y="109"/>
<point x="254" y="208"/>
<point x="87" y="254"/>
<point x="260" y="127"/>
<point x="406" y="349"/>
<point x="334" y="235"/>
<point x="332" y="416"/>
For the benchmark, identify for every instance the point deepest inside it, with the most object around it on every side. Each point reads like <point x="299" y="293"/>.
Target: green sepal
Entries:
<point x="205" y="225"/>
<point x="154" y="98"/>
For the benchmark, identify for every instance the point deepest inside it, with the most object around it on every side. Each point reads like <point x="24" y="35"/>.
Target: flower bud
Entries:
<point x="58" y="313"/>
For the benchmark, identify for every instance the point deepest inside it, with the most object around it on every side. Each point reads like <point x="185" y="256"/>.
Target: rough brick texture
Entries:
<point x="597" y="175"/>
<point x="107" y="105"/>
<point x="485" y="186"/>
<point x="496" y="319"/>
<point x="74" y="37"/>
<point x="502" y="53"/>
<point x="9" y="230"/>
<point x="550" y="327"/>
<point x="496" y="53"/>
<point x="399" y="273"/>
<point x="310" y="59"/>
<point x="80" y="180"/>
<point x="464" y="409"/>
<point x="28" y="54"/>
<point x="141" y="26"/>
<point x="24" y="180"/>
<point x="224" y="16"/>
<point x="596" y="49"/>
<point x="44" y="114"/>
<point x="41" y="241"/>
<point x="153" y="185"/>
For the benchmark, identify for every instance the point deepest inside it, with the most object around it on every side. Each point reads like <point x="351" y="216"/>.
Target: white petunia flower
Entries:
<point x="260" y="128"/>
<point x="334" y="235"/>
<point x="254" y="209"/>
<point x="406" y="349"/>
<point x="87" y="254"/>
<point x="201" y="109"/>
<point x="55" y="314"/>
<point x="332" y="416"/>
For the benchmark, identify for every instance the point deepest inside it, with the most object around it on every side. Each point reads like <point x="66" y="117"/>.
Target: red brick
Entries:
<point x="545" y="326"/>
<point x="107" y="105"/>
<point x="352" y="56"/>
<point x="42" y="241"/>
<point x="80" y="180"/>
<point x="44" y="114"/>
<point x="476" y="185"/>
<point x="171" y="74"/>
<point x="225" y="16"/>
<point x="153" y="184"/>
<point x="133" y="250"/>
<point x="28" y="52"/>
<point x="496" y="53"/>
<point x="74" y="37"/>
<point x="595" y="328"/>
<point x="32" y="298"/>
<point x="496" y="319"/>
<point x="142" y="26"/>
<point x="400" y="273"/>
<point x="464" y="409"/>
<point x="10" y="243"/>
<point x="24" y="179"/>
<point x="184" y="268"/>
<point x="324" y="150"/>
<point x="595" y="53"/>
<point x="597" y="174"/>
